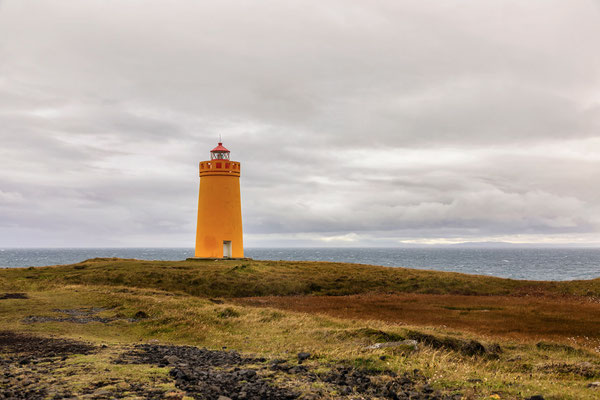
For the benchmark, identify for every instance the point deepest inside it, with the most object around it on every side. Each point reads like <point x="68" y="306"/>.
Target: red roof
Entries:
<point x="220" y="149"/>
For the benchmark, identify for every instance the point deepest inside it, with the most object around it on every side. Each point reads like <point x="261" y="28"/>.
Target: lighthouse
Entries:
<point x="219" y="229"/>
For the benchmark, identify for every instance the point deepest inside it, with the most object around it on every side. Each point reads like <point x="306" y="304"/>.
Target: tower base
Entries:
<point x="217" y="259"/>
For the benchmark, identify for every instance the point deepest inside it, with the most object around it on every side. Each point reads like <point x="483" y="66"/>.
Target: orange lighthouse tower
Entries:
<point x="219" y="229"/>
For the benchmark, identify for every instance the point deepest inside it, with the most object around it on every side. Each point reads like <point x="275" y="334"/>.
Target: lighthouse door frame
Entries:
<point x="226" y="248"/>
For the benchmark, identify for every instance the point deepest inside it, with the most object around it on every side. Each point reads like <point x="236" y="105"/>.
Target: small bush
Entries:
<point x="557" y="347"/>
<point x="228" y="313"/>
<point x="271" y="316"/>
<point x="465" y="347"/>
<point x="140" y="315"/>
<point x="238" y="268"/>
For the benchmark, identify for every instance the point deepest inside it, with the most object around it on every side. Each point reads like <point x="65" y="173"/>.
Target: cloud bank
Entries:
<point x="357" y="123"/>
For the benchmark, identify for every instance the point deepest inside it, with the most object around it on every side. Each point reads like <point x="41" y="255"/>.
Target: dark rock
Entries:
<point x="472" y="348"/>
<point x="303" y="356"/>
<point x="172" y="360"/>
<point x="5" y="296"/>
<point x="427" y="389"/>
<point x="535" y="397"/>
<point x="248" y="373"/>
<point x="345" y="390"/>
<point x="140" y="315"/>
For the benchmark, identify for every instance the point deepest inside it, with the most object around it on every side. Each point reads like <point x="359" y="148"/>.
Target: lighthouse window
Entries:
<point x="219" y="156"/>
<point x="218" y="165"/>
<point x="226" y="165"/>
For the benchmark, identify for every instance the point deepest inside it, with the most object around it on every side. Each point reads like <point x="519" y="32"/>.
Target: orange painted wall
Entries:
<point x="219" y="209"/>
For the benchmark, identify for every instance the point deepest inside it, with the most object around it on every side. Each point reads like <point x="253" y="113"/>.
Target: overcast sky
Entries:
<point x="357" y="123"/>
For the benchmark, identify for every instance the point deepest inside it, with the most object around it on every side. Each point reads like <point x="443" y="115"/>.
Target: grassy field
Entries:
<point x="548" y="332"/>
<point x="281" y="278"/>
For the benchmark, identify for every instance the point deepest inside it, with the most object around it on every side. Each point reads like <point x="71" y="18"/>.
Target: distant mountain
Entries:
<point x="506" y="245"/>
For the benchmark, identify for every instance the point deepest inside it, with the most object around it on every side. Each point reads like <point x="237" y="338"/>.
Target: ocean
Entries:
<point x="557" y="264"/>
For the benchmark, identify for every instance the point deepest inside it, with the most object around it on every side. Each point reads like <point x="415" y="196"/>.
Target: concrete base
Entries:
<point x="217" y="259"/>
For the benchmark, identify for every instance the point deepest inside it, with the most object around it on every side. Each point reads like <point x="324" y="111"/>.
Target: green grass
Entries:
<point x="280" y="278"/>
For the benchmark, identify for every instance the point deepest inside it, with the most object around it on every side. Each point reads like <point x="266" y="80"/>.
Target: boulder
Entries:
<point x="171" y="360"/>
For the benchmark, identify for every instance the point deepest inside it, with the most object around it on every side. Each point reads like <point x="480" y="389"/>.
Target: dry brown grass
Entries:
<point x="565" y="319"/>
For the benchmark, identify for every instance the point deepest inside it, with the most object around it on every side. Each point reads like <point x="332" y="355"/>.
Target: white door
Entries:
<point x="226" y="248"/>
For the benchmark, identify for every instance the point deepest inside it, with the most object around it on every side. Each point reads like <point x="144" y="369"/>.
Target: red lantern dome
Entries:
<point x="219" y="153"/>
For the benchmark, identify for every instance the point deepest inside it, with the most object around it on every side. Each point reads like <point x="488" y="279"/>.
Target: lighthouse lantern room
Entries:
<point x="219" y="153"/>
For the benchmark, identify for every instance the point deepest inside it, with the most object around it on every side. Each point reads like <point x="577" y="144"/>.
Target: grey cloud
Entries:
<point x="382" y="120"/>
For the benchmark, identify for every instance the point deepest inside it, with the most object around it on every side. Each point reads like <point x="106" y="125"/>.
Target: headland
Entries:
<point x="243" y="329"/>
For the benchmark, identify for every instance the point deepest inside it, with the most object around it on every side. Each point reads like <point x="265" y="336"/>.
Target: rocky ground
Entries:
<point x="28" y="363"/>
<point x="208" y="374"/>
